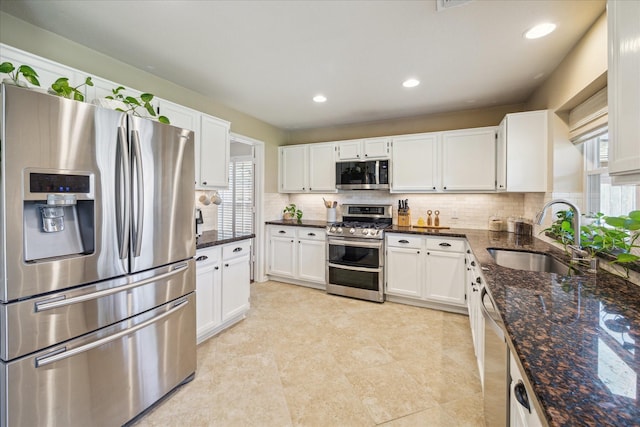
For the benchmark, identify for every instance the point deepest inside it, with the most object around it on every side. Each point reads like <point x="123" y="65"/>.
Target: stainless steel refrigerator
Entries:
<point x="97" y="280"/>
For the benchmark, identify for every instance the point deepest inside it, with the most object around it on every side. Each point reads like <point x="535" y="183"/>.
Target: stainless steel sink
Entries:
<point x="530" y="261"/>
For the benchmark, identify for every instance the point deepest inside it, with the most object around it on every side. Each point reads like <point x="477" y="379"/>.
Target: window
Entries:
<point x="235" y="213"/>
<point x="601" y="196"/>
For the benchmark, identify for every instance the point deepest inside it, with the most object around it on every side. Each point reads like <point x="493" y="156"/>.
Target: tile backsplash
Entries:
<point x="456" y="210"/>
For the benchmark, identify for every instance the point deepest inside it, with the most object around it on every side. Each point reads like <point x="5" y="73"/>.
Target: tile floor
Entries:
<point x="305" y="358"/>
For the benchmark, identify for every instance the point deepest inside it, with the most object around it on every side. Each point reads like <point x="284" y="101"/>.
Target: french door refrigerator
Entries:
<point x="97" y="280"/>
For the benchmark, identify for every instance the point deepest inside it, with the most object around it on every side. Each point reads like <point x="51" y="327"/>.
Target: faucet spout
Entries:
<point x="576" y="218"/>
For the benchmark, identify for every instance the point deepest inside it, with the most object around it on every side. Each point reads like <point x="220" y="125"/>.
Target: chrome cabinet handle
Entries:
<point x="282" y="232"/>
<point x="62" y="301"/>
<point x="444" y="244"/>
<point x="63" y="353"/>
<point x="202" y="258"/>
<point x="403" y="241"/>
<point x="238" y="249"/>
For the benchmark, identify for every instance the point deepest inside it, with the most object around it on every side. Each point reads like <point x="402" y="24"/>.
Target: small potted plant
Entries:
<point x="14" y="73"/>
<point x="291" y="212"/>
<point x="130" y="104"/>
<point x="62" y="88"/>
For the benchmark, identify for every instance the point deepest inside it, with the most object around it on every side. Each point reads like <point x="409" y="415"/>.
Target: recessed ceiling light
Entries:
<point x="319" y="98"/>
<point x="411" y="83"/>
<point x="540" y="30"/>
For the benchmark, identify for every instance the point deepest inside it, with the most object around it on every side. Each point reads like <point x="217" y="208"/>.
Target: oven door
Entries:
<point x="368" y="279"/>
<point x="361" y="253"/>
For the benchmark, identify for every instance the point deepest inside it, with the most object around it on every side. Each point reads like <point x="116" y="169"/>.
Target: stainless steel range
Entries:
<point x="355" y="252"/>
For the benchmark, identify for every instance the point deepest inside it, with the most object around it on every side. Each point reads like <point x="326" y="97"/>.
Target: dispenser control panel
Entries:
<point x="58" y="183"/>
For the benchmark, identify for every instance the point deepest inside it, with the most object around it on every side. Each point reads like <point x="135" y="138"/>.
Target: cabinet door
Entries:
<point x="48" y="71"/>
<point x="281" y="256"/>
<point x="213" y="153"/>
<point x="445" y="277"/>
<point x="350" y="150"/>
<point x="527" y="136"/>
<point x="376" y="148"/>
<point x="469" y="159"/>
<point x="414" y="163"/>
<point x="322" y="167"/>
<point x="624" y="91"/>
<point x="312" y="255"/>
<point x="208" y="275"/>
<point x="235" y="287"/>
<point x="293" y="168"/>
<point x="501" y="156"/>
<point x="404" y="272"/>
<point x="179" y="116"/>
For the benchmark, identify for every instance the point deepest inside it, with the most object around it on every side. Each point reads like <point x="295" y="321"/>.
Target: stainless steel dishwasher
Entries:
<point x="496" y="362"/>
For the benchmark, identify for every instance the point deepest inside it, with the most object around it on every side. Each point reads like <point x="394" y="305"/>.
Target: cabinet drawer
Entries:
<point x="283" y="231"/>
<point x="404" y="241"/>
<point x="449" y="245"/>
<point x="312" y="233"/>
<point x="234" y="250"/>
<point x="207" y="256"/>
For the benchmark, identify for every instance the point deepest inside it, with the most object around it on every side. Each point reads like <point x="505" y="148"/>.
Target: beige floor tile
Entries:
<point x="389" y="392"/>
<point x="331" y="403"/>
<point x="303" y="357"/>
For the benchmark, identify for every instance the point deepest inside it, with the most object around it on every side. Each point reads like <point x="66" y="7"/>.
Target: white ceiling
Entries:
<point x="269" y="58"/>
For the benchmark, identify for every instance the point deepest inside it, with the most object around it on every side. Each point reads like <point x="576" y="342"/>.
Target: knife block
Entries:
<point x="404" y="218"/>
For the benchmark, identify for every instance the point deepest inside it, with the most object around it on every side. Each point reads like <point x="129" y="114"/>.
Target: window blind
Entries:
<point x="589" y="119"/>
<point x="235" y="213"/>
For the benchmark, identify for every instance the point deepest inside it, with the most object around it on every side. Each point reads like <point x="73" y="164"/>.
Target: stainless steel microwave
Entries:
<point x="367" y="175"/>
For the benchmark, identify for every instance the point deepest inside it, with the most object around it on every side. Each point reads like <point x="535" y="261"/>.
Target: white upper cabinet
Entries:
<point x="364" y="149"/>
<point x="213" y="153"/>
<point x="178" y="115"/>
<point x="522" y="152"/>
<point x="469" y="159"/>
<point x="322" y="167"/>
<point x="624" y="91"/>
<point x="415" y="161"/>
<point x="293" y="168"/>
<point x="307" y="168"/>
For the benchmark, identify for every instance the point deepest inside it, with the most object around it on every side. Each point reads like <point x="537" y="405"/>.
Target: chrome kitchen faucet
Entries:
<point x="578" y="255"/>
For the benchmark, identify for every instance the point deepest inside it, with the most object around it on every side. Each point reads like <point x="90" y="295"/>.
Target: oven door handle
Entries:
<point x="349" y="267"/>
<point x="355" y="243"/>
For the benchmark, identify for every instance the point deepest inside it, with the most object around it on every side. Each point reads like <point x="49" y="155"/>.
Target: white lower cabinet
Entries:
<point x="297" y="255"/>
<point x="426" y="270"/>
<point x="474" y="301"/>
<point x="522" y="410"/>
<point x="222" y="287"/>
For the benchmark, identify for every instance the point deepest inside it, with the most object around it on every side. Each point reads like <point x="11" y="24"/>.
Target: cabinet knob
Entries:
<point x="444" y="188"/>
<point x="434" y="187"/>
<point x="226" y="265"/>
<point x="418" y="252"/>
<point x="473" y="263"/>
<point x="216" y="268"/>
<point x="204" y="183"/>
<point x="478" y="280"/>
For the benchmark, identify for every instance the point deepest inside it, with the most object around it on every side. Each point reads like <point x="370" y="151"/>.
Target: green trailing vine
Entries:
<point x="133" y="103"/>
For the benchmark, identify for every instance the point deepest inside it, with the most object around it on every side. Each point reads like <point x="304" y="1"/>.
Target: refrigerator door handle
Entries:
<point x="122" y="215"/>
<point x="62" y="301"/>
<point x="139" y="225"/>
<point x="63" y="353"/>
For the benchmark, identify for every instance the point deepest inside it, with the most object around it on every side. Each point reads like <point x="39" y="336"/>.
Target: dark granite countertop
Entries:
<point x="576" y="337"/>
<point x="214" y="238"/>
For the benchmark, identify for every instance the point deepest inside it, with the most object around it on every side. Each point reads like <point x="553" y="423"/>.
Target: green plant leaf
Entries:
<point x="32" y="79"/>
<point x="627" y="258"/>
<point x="131" y="100"/>
<point x="77" y="95"/>
<point x="88" y="81"/>
<point x="146" y="97"/>
<point x="614" y="221"/>
<point x="6" y="67"/>
<point x="150" y="109"/>
<point x="164" y="119"/>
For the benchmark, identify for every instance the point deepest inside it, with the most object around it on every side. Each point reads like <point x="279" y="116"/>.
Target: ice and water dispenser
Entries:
<point x="58" y="215"/>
